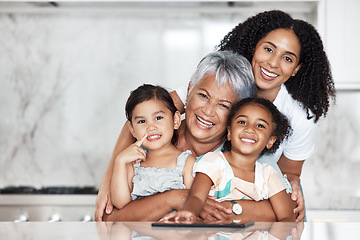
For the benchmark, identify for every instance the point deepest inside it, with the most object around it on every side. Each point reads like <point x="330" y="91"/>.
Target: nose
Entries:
<point x="151" y="127"/>
<point x="249" y="129"/>
<point x="273" y="61"/>
<point x="209" y="109"/>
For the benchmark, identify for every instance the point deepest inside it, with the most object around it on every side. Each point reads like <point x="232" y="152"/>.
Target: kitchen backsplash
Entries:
<point x="65" y="77"/>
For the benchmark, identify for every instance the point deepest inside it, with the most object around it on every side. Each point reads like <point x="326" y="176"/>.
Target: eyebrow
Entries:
<point x="155" y="113"/>
<point x="245" y="116"/>
<point x="222" y="100"/>
<point x="288" y="52"/>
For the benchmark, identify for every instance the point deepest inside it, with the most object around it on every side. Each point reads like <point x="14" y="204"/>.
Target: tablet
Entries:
<point x="203" y="225"/>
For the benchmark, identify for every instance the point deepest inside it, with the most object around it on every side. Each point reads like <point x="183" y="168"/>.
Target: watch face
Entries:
<point x="237" y="209"/>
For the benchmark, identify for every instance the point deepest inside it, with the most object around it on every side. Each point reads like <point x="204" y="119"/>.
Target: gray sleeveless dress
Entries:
<point x="149" y="181"/>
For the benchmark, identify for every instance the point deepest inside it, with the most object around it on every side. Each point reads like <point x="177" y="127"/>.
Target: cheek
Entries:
<point x="223" y="117"/>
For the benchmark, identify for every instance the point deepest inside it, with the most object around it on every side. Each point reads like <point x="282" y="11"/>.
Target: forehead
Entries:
<point x="150" y="107"/>
<point x="224" y="92"/>
<point x="284" y="39"/>
<point x="255" y="110"/>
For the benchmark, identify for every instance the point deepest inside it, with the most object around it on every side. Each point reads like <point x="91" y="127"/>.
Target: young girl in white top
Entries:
<point x="152" y="164"/>
<point x="255" y="127"/>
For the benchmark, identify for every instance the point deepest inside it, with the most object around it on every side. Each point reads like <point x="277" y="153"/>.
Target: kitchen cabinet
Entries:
<point x="342" y="33"/>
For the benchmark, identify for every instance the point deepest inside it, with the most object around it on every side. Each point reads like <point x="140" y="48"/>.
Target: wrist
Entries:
<point x="236" y="208"/>
<point x="176" y="198"/>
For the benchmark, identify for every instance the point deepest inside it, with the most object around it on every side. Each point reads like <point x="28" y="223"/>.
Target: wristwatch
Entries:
<point x="236" y="208"/>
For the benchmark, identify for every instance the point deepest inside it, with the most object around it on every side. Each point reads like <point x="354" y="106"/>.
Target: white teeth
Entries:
<point x="153" y="136"/>
<point x="269" y="74"/>
<point x="205" y="123"/>
<point x="247" y="140"/>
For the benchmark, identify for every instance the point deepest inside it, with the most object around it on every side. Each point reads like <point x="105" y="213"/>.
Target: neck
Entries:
<point x="188" y="142"/>
<point x="240" y="161"/>
<point x="158" y="154"/>
<point x="269" y="94"/>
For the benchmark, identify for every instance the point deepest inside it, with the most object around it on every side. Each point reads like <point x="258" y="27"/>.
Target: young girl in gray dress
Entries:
<point x="152" y="164"/>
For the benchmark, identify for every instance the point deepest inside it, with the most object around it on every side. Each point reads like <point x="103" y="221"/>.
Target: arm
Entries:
<point x="103" y="201"/>
<point x="177" y="101"/>
<point x="188" y="171"/>
<point x="283" y="207"/>
<point x="151" y="208"/>
<point x="195" y="202"/>
<point x="121" y="181"/>
<point x="293" y="169"/>
<point x="260" y="211"/>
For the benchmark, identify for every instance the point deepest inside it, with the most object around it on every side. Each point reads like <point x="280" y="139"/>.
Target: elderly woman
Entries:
<point x="221" y="79"/>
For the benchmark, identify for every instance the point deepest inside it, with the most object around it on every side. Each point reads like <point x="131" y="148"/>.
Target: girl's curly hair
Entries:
<point x="282" y="129"/>
<point x="313" y="85"/>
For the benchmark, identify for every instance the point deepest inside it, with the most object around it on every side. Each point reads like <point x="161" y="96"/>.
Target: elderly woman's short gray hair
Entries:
<point x="227" y="67"/>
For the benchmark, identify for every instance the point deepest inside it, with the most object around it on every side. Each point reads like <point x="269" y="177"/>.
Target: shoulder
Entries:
<point x="189" y="158"/>
<point x="211" y="157"/>
<point x="292" y="109"/>
<point x="215" y="160"/>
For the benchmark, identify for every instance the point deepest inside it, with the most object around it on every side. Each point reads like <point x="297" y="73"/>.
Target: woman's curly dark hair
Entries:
<point x="282" y="128"/>
<point x="313" y="85"/>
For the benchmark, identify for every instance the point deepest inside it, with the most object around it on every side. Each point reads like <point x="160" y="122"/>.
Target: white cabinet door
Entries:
<point x="342" y="40"/>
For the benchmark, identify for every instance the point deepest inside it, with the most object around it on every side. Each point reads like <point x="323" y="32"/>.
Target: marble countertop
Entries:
<point x="144" y="230"/>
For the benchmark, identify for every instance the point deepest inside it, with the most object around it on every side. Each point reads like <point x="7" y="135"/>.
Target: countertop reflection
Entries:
<point x="144" y="230"/>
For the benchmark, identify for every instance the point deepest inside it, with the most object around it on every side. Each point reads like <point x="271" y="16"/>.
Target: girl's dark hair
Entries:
<point x="147" y="92"/>
<point x="313" y="85"/>
<point x="282" y="128"/>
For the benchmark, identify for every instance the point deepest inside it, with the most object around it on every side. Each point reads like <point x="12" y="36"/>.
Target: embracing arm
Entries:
<point x="293" y="169"/>
<point x="151" y="208"/>
<point x="283" y="207"/>
<point x="103" y="201"/>
<point x="177" y="101"/>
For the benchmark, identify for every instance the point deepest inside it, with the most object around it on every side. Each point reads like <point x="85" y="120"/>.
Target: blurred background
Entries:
<point x="67" y="68"/>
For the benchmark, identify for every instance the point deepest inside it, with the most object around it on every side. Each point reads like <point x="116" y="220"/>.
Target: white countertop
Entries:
<point x="144" y="230"/>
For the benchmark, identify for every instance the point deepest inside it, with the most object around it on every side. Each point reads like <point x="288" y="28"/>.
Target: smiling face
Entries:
<point x="251" y="130"/>
<point x="208" y="106"/>
<point x="276" y="58"/>
<point x="153" y="118"/>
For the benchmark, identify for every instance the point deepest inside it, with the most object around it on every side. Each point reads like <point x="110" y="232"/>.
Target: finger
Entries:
<point x="169" y="216"/>
<point x="140" y="142"/>
<point x="294" y="195"/>
<point x="216" y="206"/>
<point x="109" y="206"/>
<point x="300" y="217"/>
<point x="100" y="207"/>
<point x="99" y="214"/>
<point x="205" y="215"/>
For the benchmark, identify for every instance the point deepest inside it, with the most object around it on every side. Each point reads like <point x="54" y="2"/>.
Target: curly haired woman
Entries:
<point x="291" y="69"/>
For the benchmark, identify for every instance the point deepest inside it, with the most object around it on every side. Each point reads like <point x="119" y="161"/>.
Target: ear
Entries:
<point x="228" y="134"/>
<point x="271" y="142"/>
<point x="131" y="128"/>
<point x="177" y="120"/>
<point x="296" y="70"/>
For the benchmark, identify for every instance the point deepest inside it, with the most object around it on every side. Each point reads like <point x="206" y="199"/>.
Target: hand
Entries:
<point x="133" y="153"/>
<point x="214" y="210"/>
<point x="296" y="232"/>
<point x="297" y="196"/>
<point x="103" y="201"/>
<point x="182" y="216"/>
